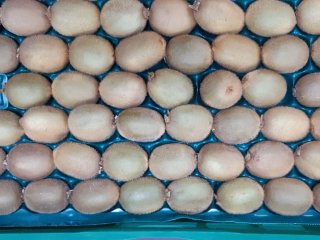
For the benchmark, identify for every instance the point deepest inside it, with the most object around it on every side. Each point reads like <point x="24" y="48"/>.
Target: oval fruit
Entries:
<point x="220" y="162"/>
<point x="315" y="52"/>
<point x="2" y="159"/>
<point x="43" y="53"/>
<point x="221" y="89"/>
<point x="189" y="54"/>
<point x="10" y="128"/>
<point x="285" y="124"/>
<point x="172" y="161"/>
<point x="264" y="88"/>
<point x="91" y="122"/>
<point x="123" y="89"/>
<point x="285" y="54"/>
<point x="269" y="18"/>
<point x="141" y="51"/>
<point x="45" y="124"/>
<point x="308" y="17"/>
<point x="94" y="196"/>
<point x="189" y="123"/>
<point x="307" y="159"/>
<point x="269" y="160"/>
<point x="24" y="17"/>
<point x="288" y="196"/>
<point x="30" y="161"/>
<point x="169" y="88"/>
<point x="315" y="124"/>
<point x="240" y="196"/>
<point x="307" y="90"/>
<point x="125" y="161"/>
<point x="236" y="52"/>
<point x="71" y="89"/>
<point x="236" y="125"/>
<point x="189" y="195"/>
<point x="9" y="54"/>
<point x="123" y="18"/>
<point x="171" y="17"/>
<point x="142" y="196"/>
<point x="46" y="196"/>
<point x="26" y="90"/>
<point x="10" y="196"/>
<point x="83" y="17"/>
<point x="77" y="160"/>
<point x="91" y="54"/>
<point x="219" y="17"/>
<point x="140" y="124"/>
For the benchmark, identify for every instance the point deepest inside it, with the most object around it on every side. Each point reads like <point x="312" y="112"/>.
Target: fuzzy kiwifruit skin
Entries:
<point x="169" y="88"/>
<point x="171" y="17"/>
<point x="43" y="53"/>
<point x="24" y="17"/>
<point x="190" y="195"/>
<point x="71" y="89"/>
<point x="270" y="18"/>
<point x="264" y="88"/>
<point x="189" y="54"/>
<point x="10" y="128"/>
<point x="74" y="17"/>
<point x="269" y="159"/>
<point x="77" y="160"/>
<point x="123" y="89"/>
<point x="30" y="161"/>
<point x="220" y="162"/>
<point x="307" y="90"/>
<point x="125" y="161"/>
<point x="219" y="16"/>
<point x="315" y="124"/>
<point x="236" y="125"/>
<point x="142" y="196"/>
<point x="189" y="123"/>
<point x="308" y="16"/>
<point x="46" y="196"/>
<point x="141" y="51"/>
<point x="285" y="54"/>
<point x="240" y="196"/>
<point x="315" y="52"/>
<point x="91" y="54"/>
<point x="288" y="196"/>
<point x="172" y="161"/>
<point x="123" y="18"/>
<point x="307" y="159"/>
<point x="94" y="196"/>
<point x="236" y="52"/>
<point x="316" y="197"/>
<point x="285" y="124"/>
<point x="25" y="90"/>
<point x="221" y="89"/>
<point x="2" y="159"/>
<point x="140" y="124"/>
<point x="10" y="196"/>
<point x="9" y="54"/>
<point x="45" y="124"/>
<point x="91" y="122"/>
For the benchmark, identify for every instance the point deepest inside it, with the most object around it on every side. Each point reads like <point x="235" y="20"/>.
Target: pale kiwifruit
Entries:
<point x="9" y="54"/>
<point x="315" y="124"/>
<point x="45" y="124"/>
<point x="2" y="161"/>
<point x="30" y="161"/>
<point x="77" y="160"/>
<point x="307" y="90"/>
<point x="125" y="161"/>
<point x="308" y="16"/>
<point x="26" y="90"/>
<point x="10" y="196"/>
<point x="172" y="161"/>
<point x="10" y="128"/>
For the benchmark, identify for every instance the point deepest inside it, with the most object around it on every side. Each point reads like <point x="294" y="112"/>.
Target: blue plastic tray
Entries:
<point x="70" y="217"/>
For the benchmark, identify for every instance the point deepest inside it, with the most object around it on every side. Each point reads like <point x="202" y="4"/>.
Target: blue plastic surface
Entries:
<point x="70" y="217"/>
